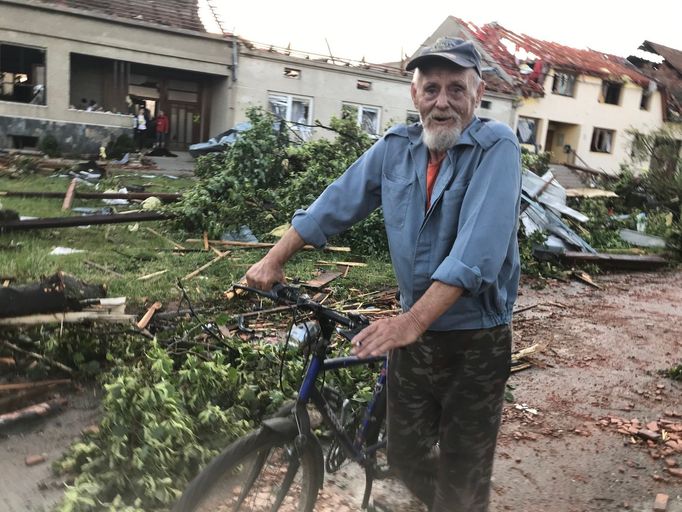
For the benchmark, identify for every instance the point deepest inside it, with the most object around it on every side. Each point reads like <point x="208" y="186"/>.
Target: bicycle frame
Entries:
<point x="309" y="392"/>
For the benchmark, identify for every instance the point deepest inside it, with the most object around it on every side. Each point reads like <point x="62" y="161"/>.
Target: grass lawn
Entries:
<point x="133" y="251"/>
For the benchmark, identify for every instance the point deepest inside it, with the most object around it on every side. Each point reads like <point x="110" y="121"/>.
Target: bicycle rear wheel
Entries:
<point x="257" y="473"/>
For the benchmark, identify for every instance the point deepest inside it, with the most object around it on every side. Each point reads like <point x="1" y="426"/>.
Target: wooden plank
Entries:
<point x="615" y="261"/>
<point x="69" y="317"/>
<point x="160" y="235"/>
<point x="585" y="278"/>
<point x="204" y="267"/>
<point x="102" y="268"/>
<point x="68" y="198"/>
<point x="153" y="274"/>
<point x="343" y="263"/>
<point x="20" y="386"/>
<point x="322" y="280"/>
<point x="85" y="220"/>
<point x="144" y="321"/>
<point x="263" y="245"/>
<point x="166" y="197"/>
<point x="34" y="411"/>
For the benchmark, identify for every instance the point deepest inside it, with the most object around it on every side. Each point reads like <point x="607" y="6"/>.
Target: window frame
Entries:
<point x="533" y="137"/>
<point x="40" y="94"/>
<point x="557" y="87"/>
<point x="304" y="131"/>
<point x="361" y="108"/>
<point x="606" y="87"/>
<point x="595" y="143"/>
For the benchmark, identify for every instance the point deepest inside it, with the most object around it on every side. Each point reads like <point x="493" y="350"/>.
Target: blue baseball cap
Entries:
<point x="458" y="51"/>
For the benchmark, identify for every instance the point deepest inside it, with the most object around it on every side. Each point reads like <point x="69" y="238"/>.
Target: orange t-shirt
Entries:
<point x="431" y="175"/>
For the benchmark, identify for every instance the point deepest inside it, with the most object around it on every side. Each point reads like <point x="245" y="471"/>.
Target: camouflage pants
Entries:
<point x="448" y="388"/>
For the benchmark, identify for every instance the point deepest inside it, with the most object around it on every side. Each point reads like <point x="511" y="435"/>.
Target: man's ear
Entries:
<point x="479" y="93"/>
<point x="413" y="93"/>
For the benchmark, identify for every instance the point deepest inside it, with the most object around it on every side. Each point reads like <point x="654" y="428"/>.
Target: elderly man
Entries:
<point x="450" y="188"/>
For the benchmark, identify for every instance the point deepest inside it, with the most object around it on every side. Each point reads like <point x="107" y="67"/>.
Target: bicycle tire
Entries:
<point x="234" y="481"/>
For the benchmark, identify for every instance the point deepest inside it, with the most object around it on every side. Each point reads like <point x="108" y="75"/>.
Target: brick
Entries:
<point x="653" y="426"/>
<point x="661" y="502"/>
<point x="32" y="460"/>
<point x="670" y="462"/>
<point x="675" y="472"/>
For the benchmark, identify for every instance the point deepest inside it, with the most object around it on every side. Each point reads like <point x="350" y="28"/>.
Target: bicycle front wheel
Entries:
<point x="260" y="472"/>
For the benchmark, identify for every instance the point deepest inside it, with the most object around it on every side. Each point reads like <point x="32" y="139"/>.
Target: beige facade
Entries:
<point x="578" y="121"/>
<point x="87" y="56"/>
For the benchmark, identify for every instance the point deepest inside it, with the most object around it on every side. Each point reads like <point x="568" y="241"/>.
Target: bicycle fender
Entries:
<point x="282" y="425"/>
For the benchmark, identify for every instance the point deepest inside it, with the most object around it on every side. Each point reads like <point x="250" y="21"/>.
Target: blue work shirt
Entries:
<point x="467" y="237"/>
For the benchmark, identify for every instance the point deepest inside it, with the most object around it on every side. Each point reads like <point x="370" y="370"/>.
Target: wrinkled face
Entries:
<point x="446" y="97"/>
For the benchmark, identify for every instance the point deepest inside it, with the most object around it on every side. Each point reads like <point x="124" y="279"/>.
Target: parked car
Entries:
<point x="220" y="142"/>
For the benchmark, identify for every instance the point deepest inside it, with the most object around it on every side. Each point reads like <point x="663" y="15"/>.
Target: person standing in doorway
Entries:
<point x="162" y="129"/>
<point x="141" y="125"/>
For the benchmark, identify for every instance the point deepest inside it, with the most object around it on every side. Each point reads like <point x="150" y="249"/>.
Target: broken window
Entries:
<point x="292" y="72"/>
<point x="564" y="83"/>
<point x="486" y="104"/>
<point x="526" y="130"/>
<point x="412" y="117"/>
<point x="602" y="140"/>
<point x="364" y="85"/>
<point x="22" y="74"/>
<point x="295" y="110"/>
<point x="645" y="102"/>
<point x="366" y="117"/>
<point x="610" y="92"/>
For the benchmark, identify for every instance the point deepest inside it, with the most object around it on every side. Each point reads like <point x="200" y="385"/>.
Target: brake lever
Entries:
<point x="360" y="322"/>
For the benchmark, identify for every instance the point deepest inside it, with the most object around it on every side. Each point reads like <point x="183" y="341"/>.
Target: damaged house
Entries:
<point x="576" y="104"/>
<point x="301" y="88"/>
<point x="78" y="69"/>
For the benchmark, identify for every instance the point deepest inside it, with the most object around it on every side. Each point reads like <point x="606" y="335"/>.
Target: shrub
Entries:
<point x="262" y="179"/>
<point x="50" y="146"/>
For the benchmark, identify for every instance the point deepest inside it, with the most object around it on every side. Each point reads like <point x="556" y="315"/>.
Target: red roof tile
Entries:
<point x="495" y="40"/>
<point x="182" y="14"/>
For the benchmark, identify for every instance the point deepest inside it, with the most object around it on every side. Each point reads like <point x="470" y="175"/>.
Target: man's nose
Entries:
<point x="442" y="99"/>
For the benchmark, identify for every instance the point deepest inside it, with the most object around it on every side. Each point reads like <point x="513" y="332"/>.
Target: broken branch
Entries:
<point x="49" y="361"/>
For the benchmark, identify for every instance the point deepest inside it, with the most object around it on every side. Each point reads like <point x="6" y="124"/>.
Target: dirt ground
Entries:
<point x="560" y="450"/>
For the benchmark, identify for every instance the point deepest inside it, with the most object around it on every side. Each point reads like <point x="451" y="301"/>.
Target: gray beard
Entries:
<point x="441" y="140"/>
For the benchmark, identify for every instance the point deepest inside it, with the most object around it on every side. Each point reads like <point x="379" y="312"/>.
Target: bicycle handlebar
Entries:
<point x="290" y="295"/>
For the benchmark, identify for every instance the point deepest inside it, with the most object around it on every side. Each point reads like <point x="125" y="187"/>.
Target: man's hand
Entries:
<point x="270" y="270"/>
<point x="386" y="334"/>
<point x="265" y="274"/>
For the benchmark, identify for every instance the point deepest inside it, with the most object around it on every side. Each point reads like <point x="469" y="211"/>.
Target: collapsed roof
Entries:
<point x="667" y="73"/>
<point x="525" y="60"/>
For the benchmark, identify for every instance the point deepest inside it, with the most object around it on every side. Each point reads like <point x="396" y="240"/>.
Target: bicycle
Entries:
<point x="281" y="466"/>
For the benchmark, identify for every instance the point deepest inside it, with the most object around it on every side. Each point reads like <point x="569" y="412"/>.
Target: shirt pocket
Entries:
<point x="396" y="192"/>
<point x="450" y="207"/>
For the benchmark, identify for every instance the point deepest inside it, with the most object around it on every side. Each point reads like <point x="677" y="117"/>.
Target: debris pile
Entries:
<point x="662" y="437"/>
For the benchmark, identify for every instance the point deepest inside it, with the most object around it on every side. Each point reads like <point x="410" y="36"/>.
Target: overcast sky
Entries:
<point x="383" y="30"/>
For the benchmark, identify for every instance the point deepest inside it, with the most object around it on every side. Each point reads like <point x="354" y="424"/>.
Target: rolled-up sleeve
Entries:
<point x="487" y="223"/>
<point x="349" y="199"/>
